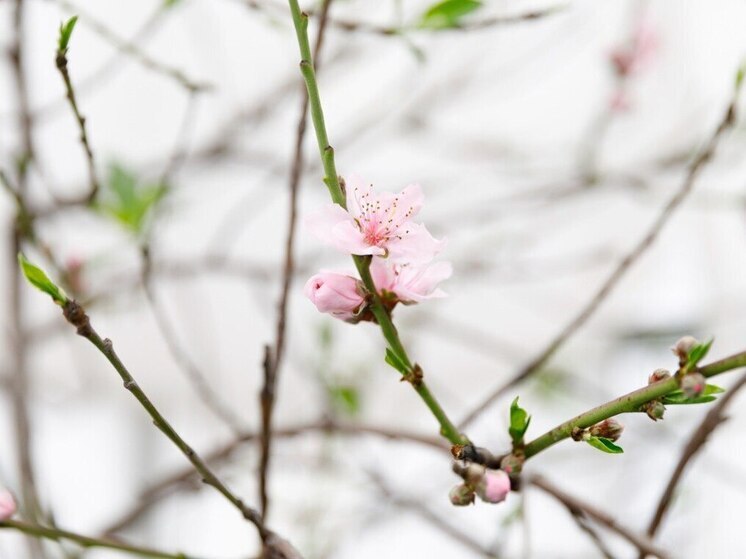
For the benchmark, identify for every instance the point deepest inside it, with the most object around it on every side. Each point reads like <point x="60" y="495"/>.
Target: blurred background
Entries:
<point x="545" y="156"/>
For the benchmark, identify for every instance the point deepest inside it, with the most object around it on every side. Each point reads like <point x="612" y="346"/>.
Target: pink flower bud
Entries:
<point x="494" y="486"/>
<point x="658" y="375"/>
<point x="608" y="429"/>
<point x="7" y="504"/>
<point x="693" y="384"/>
<point x="336" y="294"/>
<point x="461" y="495"/>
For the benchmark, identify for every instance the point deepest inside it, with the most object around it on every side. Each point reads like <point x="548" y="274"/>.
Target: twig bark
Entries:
<point x="695" y="168"/>
<point x="55" y="534"/>
<point x="578" y="507"/>
<point x="714" y="418"/>
<point x="273" y="357"/>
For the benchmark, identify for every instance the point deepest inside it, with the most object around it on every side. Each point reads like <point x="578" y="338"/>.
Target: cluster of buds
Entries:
<point x="491" y="486"/>
<point x="7" y="505"/>
<point x="380" y="226"/>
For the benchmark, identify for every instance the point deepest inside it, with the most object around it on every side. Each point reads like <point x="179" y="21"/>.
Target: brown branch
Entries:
<point x="171" y="483"/>
<point x="714" y="418"/>
<point x="274" y="546"/>
<point x="608" y="286"/>
<point x="273" y="357"/>
<point x="578" y="507"/>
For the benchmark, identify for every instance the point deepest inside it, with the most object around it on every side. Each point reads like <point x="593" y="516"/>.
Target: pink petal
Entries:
<point x="411" y="199"/>
<point x="416" y="245"/>
<point x="356" y="188"/>
<point x="383" y="274"/>
<point x="419" y="284"/>
<point x="334" y="226"/>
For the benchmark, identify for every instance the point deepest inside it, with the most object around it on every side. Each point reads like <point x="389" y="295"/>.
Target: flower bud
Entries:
<point x="336" y="294"/>
<point x="512" y="464"/>
<point x="658" y="375"/>
<point x="655" y="410"/>
<point x="7" y="504"/>
<point x="494" y="486"/>
<point x="693" y="384"/>
<point x="461" y="495"/>
<point x="473" y="474"/>
<point x="608" y="429"/>
<point x="683" y="347"/>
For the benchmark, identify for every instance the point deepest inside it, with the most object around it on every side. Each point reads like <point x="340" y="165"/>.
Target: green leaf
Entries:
<point x="448" y="13"/>
<point x="519" y="421"/>
<point x="605" y="445"/>
<point x="39" y="279"/>
<point x="393" y="360"/>
<point x="66" y="31"/>
<point x="346" y="399"/>
<point x="697" y="353"/>
<point x="127" y="201"/>
<point x="170" y="3"/>
<point x="678" y="397"/>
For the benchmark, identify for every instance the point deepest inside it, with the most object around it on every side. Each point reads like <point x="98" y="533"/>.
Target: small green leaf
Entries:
<point x="605" y="445"/>
<point x="679" y="398"/>
<point x="519" y="421"/>
<point x="740" y="75"/>
<point x="66" y="31"/>
<point x="346" y="399"/>
<point x="39" y="279"/>
<point x="393" y="360"/>
<point x="697" y="353"/>
<point x="170" y="3"/>
<point x="448" y="13"/>
<point x="127" y="201"/>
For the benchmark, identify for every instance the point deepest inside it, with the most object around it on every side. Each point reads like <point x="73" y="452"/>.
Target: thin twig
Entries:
<point x="131" y="48"/>
<point x="714" y="418"/>
<point x="76" y="316"/>
<point x="94" y="187"/>
<point x="576" y="506"/>
<point x="170" y="483"/>
<point x="695" y="168"/>
<point x="55" y="534"/>
<point x="273" y="357"/>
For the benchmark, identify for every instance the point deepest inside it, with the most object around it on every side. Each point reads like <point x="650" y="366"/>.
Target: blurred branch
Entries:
<point x="132" y="49"/>
<point x="714" y="418"/>
<point x="583" y="509"/>
<point x="161" y="489"/>
<point x="423" y="512"/>
<point x="695" y="168"/>
<point x="56" y="534"/>
<point x="77" y="317"/>
<point x="273" y="357"/>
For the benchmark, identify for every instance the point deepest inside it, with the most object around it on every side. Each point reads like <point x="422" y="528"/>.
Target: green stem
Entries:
<point x="300" y="20"/>
<point x="628" y="403"/>
<point x="85" y="541"/>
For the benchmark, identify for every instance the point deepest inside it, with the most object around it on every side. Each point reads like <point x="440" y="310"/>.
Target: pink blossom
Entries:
<point x="336" y="294"/>
<point x="410" y="283"/>
<point x="494" y="486"/>
<point x="376" y="224"/>
<point x="7" y="504"/>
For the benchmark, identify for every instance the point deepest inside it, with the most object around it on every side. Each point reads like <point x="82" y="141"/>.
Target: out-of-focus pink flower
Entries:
<point x="376" y="224"/>
<point x="494" y="486"/>
<point x="336" y="294"/>
<point x="619" y="101"/>
<point x="410" y="283"/>
<point x="633" y="57"/>
<point x="7" y="504"/>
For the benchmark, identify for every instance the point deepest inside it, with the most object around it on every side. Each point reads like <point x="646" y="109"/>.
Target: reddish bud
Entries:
<point x="683" y="347"/>
<point x="494" y="486"/>
<point x="461" y="495"/>
<point x="608" y="429"/>
<point x="512" y="465"/>
<point x="693" y="384"/>
<point x="658" y="375"/>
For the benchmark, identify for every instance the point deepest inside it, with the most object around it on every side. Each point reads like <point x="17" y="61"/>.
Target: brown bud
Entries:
<point x="461" y="495"/>
<point x="658" y="375"/>
<point x="655" y="410"/>
<point x="608" y="429"/>
<point x="693" y="384"/>
<point x="512" y="464"/>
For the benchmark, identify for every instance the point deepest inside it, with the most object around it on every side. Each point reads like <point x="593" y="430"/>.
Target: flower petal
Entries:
<point x="414" y="244"/>
<point x="356" y="190"/>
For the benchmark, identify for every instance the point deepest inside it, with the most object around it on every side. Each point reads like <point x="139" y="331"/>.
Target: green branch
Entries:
<point x="629" y="403"/>
<point x="56" y="534"/>
<point x="412" y="372"/>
